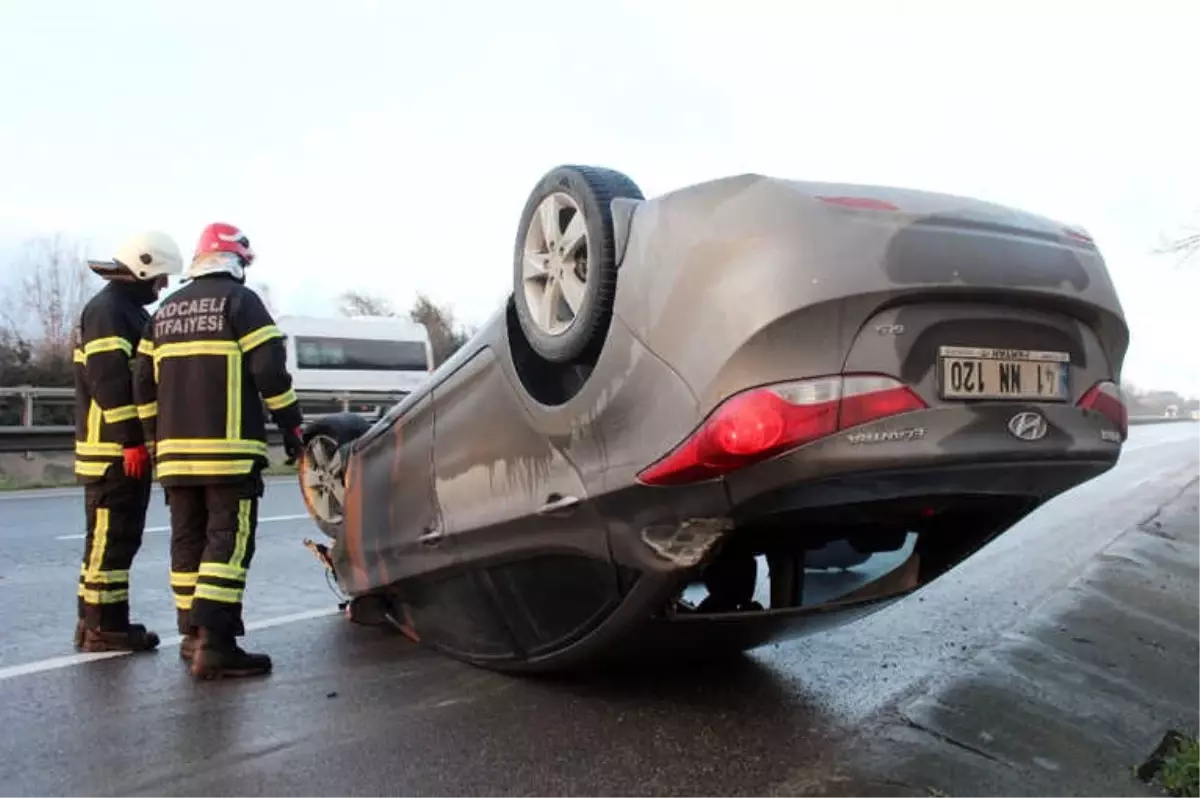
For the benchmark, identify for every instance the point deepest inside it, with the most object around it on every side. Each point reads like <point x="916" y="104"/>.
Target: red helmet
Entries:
<point x="221" y="237"/>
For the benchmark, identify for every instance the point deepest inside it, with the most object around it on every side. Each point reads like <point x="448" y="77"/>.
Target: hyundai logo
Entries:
<point x="1028" y="426"/>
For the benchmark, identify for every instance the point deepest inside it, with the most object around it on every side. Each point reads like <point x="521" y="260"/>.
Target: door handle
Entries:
<point x="430" y="536"/>
<point x="556" y="503"/>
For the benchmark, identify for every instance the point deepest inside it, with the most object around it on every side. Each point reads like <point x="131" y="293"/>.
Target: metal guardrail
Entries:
<point x="30" y="437"/>
<point x="62" y="438"/>
<point x="47" y="438"/>
<point x="1135" y="420"/>
<point x="29" y="395"/>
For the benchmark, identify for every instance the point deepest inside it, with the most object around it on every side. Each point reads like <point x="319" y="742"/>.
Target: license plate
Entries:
<point x="970" y="373"/>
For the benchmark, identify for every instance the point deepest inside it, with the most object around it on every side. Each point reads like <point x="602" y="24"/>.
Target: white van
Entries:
<point x="362" y="355"/>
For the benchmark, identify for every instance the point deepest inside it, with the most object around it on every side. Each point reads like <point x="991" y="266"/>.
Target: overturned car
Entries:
<point x="687" y="398"/>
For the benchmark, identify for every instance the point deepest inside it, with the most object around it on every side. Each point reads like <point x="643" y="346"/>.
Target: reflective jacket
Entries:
<point x="105" y="340"/>
<point x="209" y="360"/>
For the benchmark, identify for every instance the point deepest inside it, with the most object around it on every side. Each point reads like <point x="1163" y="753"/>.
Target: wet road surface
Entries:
<point x="356" y="710"/>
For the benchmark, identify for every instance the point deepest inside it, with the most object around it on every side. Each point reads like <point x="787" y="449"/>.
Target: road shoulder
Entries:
<point x="1066" y="703"/>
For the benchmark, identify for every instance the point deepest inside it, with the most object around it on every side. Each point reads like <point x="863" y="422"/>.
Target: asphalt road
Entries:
<point x="353" y="710"/>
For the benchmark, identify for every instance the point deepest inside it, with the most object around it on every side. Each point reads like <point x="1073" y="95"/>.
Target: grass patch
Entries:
<point x="1180" y="774"/>
<point x="279" y="470"/>
<point x="8" y="483"/>
<point x="1174" y="765"/>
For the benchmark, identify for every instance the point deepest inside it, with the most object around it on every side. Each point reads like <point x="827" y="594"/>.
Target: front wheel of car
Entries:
<point x="322" y="469"/>
<point x="565" y="263"/>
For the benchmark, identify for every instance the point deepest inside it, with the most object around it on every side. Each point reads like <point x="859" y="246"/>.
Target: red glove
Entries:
<point x="137" y="461"/>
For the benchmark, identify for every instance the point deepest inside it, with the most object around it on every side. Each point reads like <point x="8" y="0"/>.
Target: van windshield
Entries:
<point x="356" y="354"/>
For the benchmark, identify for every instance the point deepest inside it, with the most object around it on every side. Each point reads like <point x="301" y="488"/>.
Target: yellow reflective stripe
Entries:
<point x="259" y="337"/>
<point x="99" y="542"/>
<point x="145" y="348"/>
<point x="86" y="469"/>
<point x="111" y="344"/>
<point x="105" y="577"/>
<point x="233" y="397"/>
<point x="183" y="446"/>
<point x="78" y="357"/>
<point x="183" y="578"/>
<point x="193" y="348"/>
<point x="242" y="540"/>
<point x="98" y="449"/>
<point x="149" y="410"/>
<point x="184" y="602"/>
<point x="119" y="414"/>
<point x="224" y="595"/>
<point x="222" y="571"/>
<point x="281" y="400"/>
<point x="103" y="596"/>
<point x="204" y="468"/>
<point x="93" y="423"/>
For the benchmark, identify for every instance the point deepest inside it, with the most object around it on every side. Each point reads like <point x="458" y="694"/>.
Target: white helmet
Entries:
<point x="146" y="255"/>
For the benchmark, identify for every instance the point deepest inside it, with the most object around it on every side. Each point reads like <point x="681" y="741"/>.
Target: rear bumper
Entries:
<point x="947" y="450"/>
<point x="1034" y="479"/>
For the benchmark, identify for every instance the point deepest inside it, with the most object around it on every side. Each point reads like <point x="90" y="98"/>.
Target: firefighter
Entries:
<point x="210" y="359"/>
<point x="111" y="458"/>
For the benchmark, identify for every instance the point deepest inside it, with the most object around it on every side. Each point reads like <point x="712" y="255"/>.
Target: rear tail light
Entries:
<point x="1079" y="236"/>
<point x="762" y="422"/>
<point x="860" y="203"/>
<point x="1105" y="398"/>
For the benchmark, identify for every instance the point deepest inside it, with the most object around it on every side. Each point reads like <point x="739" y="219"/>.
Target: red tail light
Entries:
<point x="1105" y="398"/>
<point x="752" y="426"/>
<point x="861" y="203"/>
<point x="1079" y="235"/>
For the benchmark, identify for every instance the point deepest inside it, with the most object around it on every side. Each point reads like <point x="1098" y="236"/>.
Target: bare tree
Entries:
<point x="264" y="293"/>
<point x="357" y="303"/>
<point x="445" y="335"/>
<point x="1186" y="245"/>
<point x="50" y="285"/>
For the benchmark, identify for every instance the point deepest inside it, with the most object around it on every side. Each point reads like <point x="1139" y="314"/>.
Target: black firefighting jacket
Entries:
<point x="105" y="340"/>
<point x="208" y="354"/>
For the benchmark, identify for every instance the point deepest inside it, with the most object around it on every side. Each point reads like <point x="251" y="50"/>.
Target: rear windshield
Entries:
<point x="360" y="355"/>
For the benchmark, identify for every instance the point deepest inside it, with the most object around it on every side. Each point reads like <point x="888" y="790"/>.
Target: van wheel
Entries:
<point x="564" y="266"/>
<point x="322" y="469"/>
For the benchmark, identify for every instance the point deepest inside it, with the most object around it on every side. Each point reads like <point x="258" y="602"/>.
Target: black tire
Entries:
<point x="592" y="189"/>
<point x="336" y="431"/>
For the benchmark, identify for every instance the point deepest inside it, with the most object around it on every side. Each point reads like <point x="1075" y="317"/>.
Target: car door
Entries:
<point x="391" y="512"/>
<point x="532" y="550"/>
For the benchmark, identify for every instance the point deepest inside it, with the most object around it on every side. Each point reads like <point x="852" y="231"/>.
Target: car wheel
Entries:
<point x="565" y="273"/>
<point x="322" y="469"/>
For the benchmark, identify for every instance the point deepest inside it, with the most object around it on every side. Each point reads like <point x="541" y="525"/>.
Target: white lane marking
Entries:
<point x="267" y="520"/>
<point x="55" y="663"/>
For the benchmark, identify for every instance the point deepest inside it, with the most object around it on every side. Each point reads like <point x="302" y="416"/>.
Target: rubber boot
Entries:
<point x="218" y="657"/>
<point x="187" y="646"/>
<point x="134" y="637"/>
<point x="79" y="627"/>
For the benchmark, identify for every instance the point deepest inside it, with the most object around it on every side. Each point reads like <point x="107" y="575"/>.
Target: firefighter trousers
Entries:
<point x="212" y="543"/>
<point x="115" y="507"/>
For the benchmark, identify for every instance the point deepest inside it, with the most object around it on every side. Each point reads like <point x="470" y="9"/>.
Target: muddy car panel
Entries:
<point x="392" y="507"/>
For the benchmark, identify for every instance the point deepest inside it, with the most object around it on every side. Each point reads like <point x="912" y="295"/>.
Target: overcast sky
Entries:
<point x="389" y="146"/>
